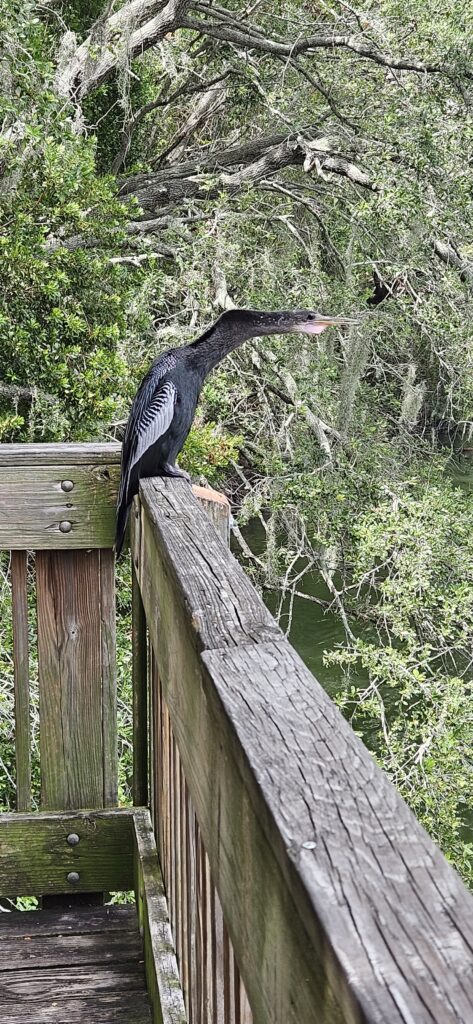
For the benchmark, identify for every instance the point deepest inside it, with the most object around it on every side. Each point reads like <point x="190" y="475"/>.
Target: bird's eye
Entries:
<point x="310" y="316"/>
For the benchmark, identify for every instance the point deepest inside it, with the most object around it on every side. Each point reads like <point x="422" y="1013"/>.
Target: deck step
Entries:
<point x="82" y="966"/>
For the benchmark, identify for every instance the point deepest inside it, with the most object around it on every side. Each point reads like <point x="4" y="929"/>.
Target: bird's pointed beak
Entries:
<point x="320" y="323"/>
<point x="332" y="321"/>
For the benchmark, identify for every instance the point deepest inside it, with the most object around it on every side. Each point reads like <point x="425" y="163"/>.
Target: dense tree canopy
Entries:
<point x="162" y="161"/>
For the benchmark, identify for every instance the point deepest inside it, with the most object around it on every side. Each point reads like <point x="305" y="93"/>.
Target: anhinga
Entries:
<point x="164" y="406"/>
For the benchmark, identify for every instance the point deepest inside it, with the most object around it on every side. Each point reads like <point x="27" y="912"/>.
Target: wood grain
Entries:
<point x="36" y="455"/>
<point x="19" y="585"/>
<point x="187" y="558"/>
<point x="160" y="962"/>
<point x="35" y="509"/>
<point x="76" y="629"/>
<point x="35" y="857"/>
<point x="56" y="984"/>
<point x="109" y="1008"/>
<point x="82" y="966"/>
<point x="81" y="950"/>
<point x="209" y="974"/>
<point x="338" y="905"/>
<point x="110" y="918"/>
<point x="106" y="611"/>
<point x="217" y="508"/>
<point x="69" y="960"/>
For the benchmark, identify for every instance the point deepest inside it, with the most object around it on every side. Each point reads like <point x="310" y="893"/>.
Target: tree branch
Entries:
<point x="75" y="242"/>
<point x="243" y="153"/>
<point x="138" y="25"/>
<point x="257" y="40"/>
<point x="192" y="181"/>
<point x="207" y="105"/>
<point x="19" y="394"/>
<point x="184" y="90"/>
<point x="321" y="430"/>
<point x="452" y="258"/>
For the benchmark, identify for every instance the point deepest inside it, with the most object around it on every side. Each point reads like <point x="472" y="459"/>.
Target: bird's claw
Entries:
<point x="169" y="470"/>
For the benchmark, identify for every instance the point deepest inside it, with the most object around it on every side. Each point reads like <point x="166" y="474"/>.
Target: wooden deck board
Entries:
<point x="124" y="1008"/>
<point x="85" y="966"/>
<point x="60" y="951"/>
<point x="98" y="919"/>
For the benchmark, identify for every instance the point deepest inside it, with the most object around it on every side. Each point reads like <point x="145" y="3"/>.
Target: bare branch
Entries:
<point x="53" y="244"/>
<point x="276" y="186"/>
<point x="186" y="181"/>
<point x="161" y="101"/>
<point x="248" y="553"/>
<point x="452" y="258"/>
<point x="222" y="299"/>
<point x="257" y="40"/>
<point x="136" y="259"/>
<point x="321" y="430"/>
<point x="244" y="153"/>
<point x="21" y="394"/>
<point x="138" y="25"/>
<point x="208" y="104"/>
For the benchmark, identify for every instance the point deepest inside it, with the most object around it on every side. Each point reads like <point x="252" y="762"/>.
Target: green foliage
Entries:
<point x="211" y="447"/>
<point x="412" y="571"/>
<point x="124" y="682"/>
<point x="63" y="312"/>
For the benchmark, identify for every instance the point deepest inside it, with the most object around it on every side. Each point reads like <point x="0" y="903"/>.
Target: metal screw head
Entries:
<point x="73" y="839"/>
<point x="65" y="526"/>
<point x="73" y="878"/>
<point x="67" y="485"/>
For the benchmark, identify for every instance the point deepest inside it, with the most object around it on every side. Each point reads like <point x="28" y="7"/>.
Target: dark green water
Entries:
<point x="315" y="629"/>
<point x="462" y="474"/>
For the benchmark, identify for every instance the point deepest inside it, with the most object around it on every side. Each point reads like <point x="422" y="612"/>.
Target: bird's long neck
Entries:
<point x="223" y="337"/>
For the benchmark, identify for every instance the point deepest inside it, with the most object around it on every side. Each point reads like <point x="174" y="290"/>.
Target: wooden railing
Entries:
<point x="287" y="854"/>
<point x="57" y="518"/>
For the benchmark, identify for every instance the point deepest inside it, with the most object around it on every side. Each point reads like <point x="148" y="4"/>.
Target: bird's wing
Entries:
<point x="150" y="417"/>
<point x="155" y="420"/>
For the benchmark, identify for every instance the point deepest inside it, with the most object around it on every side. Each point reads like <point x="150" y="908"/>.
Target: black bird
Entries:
<point x="164" y="406"/>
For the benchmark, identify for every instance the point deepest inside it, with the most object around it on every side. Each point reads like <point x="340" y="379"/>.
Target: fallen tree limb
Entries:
<point x="259" y="41"/>
<point x="191" y="181"/>
<point x="137" y="26"/>
<point x="452" y="258"/>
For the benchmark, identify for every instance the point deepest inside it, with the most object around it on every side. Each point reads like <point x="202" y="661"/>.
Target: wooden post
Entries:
<point x="76" y="686"/>
<point x="19" y="566"/>
<point x="140" y="697"/>
<point x="217" y="507"/>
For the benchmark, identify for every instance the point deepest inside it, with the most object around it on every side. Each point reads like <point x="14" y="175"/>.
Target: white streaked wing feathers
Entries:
<point x="150" y="417"/>
<point x="155" y="420"/>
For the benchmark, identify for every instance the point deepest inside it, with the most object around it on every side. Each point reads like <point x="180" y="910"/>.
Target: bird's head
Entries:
<point x="256" y="323"/>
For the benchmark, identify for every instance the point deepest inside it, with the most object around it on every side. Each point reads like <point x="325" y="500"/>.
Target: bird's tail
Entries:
<point x="122" y="520"/>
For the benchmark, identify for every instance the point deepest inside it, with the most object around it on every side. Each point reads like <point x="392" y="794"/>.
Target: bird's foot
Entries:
<point x="168" y="470"/>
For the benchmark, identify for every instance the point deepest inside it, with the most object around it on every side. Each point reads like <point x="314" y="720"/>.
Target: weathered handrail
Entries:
<point x="338" y="905"/>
